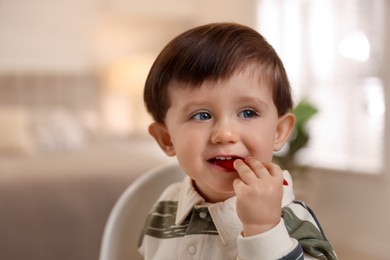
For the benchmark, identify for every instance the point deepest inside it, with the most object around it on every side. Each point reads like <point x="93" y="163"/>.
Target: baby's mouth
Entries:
<point x="227" y="163"/>
<point x="224" y="162"/>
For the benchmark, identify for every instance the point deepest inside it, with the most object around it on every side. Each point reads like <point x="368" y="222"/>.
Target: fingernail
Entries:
<point x="237" y="161"/>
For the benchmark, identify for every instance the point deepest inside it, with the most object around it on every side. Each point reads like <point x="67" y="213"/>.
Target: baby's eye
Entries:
<point x="201" y="116"/>
<point x="248" y="113"/>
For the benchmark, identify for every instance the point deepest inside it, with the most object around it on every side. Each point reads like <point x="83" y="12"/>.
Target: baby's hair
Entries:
<point x="214" y="52"/>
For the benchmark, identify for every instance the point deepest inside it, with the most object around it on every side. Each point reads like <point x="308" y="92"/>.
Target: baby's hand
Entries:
<point x="259" y="192"/>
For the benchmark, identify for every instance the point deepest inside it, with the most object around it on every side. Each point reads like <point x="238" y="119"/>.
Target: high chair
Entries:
<point x="126" y="219"/>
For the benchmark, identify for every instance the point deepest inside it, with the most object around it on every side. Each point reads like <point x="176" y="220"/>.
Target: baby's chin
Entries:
<point x="214" y="196"/>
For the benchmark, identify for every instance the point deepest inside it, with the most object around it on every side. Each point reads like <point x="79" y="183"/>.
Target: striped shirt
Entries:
<point x="182" y="225"/>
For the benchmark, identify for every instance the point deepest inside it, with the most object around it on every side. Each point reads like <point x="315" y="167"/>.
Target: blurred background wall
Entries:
<point x="71" y="79"/>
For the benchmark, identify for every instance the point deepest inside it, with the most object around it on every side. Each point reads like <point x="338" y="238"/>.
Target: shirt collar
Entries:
<point x="222" y="213"/>
<point x="288" y="190"/>
<point x="188" y="198"/>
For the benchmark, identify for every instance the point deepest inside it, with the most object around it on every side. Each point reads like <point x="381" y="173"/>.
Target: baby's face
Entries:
<point x="212" y="125"/>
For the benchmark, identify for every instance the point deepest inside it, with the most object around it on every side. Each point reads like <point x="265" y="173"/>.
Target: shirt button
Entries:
<point x="202" y="214"/>
<point x="192" y="250"/>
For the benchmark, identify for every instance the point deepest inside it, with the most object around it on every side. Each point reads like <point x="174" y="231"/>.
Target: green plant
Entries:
<point x="303" y="112"/>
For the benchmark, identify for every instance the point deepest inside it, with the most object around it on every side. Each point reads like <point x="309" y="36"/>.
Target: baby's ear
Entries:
<point x="283" y="130"/>
<point x="161" y="134"/>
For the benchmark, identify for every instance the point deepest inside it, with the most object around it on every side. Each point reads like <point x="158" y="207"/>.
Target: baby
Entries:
<point x="221" y="103"/>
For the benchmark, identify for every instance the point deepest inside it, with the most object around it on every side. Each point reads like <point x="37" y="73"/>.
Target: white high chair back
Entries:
<point x="125" y="222"/>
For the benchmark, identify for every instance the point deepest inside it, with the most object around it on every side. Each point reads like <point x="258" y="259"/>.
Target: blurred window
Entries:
<point x="333" y="52"/>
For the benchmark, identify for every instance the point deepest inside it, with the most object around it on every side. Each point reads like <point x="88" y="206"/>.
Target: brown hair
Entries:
<point x="214" y="52"/>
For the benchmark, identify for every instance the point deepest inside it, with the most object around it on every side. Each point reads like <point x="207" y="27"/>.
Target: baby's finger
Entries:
<point x="275" y="171"/>
<point x="258" y="168"/>
<point x="244" y="171"/>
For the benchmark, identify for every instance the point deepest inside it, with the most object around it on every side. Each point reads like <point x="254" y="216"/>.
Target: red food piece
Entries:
<point x="228" y="165"/>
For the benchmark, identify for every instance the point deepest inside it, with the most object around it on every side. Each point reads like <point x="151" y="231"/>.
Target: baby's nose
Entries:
<point x="224" y="133"/>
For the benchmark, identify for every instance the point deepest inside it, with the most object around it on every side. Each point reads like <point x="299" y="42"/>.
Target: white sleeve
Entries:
<point x="272" y="244"/>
